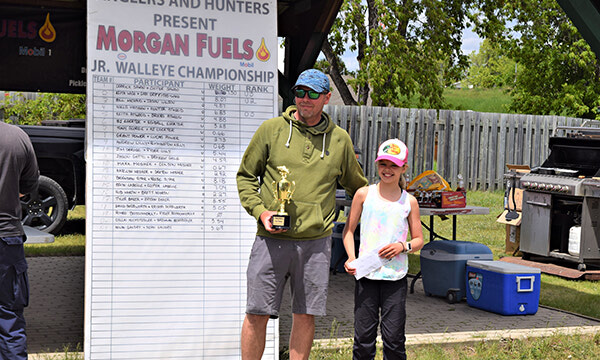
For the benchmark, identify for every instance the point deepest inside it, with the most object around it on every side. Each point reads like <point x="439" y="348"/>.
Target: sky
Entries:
<point x="471" y="42"/>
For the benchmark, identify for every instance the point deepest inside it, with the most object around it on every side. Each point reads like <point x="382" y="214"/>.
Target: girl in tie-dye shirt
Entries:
<point x="387" y="214"/>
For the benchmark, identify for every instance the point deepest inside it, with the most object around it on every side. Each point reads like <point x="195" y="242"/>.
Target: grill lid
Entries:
<point x="572" y="157"/>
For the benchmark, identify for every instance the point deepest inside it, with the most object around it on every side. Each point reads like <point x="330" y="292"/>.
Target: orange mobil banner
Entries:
<point x="43" y="49"/>
<point x="175" y="91"/>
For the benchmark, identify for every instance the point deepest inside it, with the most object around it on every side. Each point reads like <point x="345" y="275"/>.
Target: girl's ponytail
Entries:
<point x="402" y="182"/>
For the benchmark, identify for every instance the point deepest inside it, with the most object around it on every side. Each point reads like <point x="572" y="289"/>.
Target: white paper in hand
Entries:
<point x="367" y="263"/>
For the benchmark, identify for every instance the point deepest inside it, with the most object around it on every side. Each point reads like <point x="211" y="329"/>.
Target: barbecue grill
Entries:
<point x="561" y="201"/>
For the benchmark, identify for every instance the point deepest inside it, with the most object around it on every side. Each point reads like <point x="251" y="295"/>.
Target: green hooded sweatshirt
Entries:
<point x="317" y="158"/>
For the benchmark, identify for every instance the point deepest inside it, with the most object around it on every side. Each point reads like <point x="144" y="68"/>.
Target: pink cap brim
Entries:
<point x="392" y="159"/>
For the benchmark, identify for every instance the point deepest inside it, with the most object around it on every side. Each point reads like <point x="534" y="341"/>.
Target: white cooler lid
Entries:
<point x="440" y="255"/>
<point x="502" y="267"/>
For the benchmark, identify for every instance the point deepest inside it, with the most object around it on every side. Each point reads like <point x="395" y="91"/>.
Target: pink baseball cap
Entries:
<point x="393" y="150"/>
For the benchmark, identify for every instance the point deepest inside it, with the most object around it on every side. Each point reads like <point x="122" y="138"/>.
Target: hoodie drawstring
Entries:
<point x="287" y="144"/>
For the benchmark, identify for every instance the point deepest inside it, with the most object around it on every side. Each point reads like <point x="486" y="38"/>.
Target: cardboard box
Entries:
<point x="441" y="199"/>
<point x="513" y="232"/>
<point x="513" y="240"/>
<point x="454" y="199"/>
<point x="518" y="168"/>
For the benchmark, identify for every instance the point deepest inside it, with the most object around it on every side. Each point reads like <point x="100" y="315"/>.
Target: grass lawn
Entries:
<point x="580" y="347"/>
<point x="482" y="100"/>
<point x="574" y="347"/>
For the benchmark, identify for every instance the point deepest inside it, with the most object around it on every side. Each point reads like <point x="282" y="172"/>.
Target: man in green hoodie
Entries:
<point x="318" y="155"/>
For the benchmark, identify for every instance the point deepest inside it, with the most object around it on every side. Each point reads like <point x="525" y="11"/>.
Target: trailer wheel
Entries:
<point x="49" y="213"/>
<point x="581" y="267"/>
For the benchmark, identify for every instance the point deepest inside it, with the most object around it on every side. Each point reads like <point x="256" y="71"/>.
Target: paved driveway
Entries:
<point x="55" y="315"/>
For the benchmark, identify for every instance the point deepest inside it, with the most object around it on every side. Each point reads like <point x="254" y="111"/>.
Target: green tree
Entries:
<point x="404" y="49"/>
<point x="558" y="71"/>
<point x="47" y="106"/>
<point x="489" y="68"/>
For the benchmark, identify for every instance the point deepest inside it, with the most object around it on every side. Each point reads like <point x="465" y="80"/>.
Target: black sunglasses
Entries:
<point x="300" y="93"/>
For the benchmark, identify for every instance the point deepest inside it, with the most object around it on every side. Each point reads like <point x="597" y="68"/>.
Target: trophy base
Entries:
<point x="280" y="222"/>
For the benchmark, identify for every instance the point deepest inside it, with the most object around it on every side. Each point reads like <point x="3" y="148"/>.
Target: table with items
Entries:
<point x="444" y="212"/>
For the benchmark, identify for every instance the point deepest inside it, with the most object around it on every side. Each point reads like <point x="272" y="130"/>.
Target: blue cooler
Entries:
<point x="443" y="266"/>
<point x="503" y="288"/>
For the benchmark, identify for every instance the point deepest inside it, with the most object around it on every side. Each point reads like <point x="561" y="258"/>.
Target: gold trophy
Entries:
<point x="282" y="191"/>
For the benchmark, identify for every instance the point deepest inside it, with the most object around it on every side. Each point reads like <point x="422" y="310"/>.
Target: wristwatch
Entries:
<point x="407" y="247"/>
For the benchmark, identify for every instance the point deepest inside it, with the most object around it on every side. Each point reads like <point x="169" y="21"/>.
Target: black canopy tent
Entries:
<point x="30" y="63"/>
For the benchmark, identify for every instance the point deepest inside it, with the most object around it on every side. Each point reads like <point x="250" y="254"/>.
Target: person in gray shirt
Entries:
<point x="19" y="174"/>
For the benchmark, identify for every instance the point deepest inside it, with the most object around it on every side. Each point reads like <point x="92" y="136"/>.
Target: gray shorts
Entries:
<point x="273" y="261"/>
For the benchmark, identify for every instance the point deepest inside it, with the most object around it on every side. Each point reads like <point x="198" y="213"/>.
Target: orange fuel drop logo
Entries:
<point x="263" y="53"/>
<point x="47" y="32"/>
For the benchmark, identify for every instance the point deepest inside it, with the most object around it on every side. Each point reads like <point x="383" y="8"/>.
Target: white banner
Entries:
<point x="175" y="91"/>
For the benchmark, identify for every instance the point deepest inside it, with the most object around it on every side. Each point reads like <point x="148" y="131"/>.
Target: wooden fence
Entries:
<point x="476" y="145"/>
